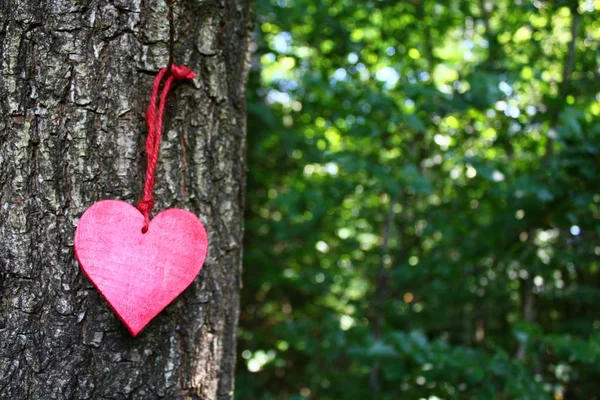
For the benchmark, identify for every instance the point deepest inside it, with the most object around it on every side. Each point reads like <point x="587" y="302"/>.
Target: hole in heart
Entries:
<point x="144" y="229"/>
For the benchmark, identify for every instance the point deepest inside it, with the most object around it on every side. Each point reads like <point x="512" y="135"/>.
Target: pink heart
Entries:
<point x="139" y="274"/>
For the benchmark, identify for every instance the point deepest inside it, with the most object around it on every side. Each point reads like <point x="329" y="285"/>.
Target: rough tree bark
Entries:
<point x="75" y="78"/>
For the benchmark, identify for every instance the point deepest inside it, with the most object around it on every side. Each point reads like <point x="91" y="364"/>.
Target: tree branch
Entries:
<point x="380" y="290"/>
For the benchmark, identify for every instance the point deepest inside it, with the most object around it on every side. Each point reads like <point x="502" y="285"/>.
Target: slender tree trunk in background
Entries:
<point x="75" y="79"/>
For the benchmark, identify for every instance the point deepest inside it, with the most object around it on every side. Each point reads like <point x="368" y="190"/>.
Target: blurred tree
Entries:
<point x="423" y="201"/>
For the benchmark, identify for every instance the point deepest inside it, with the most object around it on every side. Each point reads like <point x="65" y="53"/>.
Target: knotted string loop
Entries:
<point x="154" y="120"/>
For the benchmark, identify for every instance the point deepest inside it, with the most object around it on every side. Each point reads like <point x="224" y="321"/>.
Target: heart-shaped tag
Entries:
<point x="138" y="273"/>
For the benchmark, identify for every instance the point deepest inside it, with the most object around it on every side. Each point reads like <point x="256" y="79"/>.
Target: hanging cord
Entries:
<point x="154" y="120"/>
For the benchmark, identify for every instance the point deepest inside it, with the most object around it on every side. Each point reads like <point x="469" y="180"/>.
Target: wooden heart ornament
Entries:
<point x="139" y="273"/>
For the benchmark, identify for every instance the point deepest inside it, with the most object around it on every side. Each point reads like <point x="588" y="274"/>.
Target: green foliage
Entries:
<point x="423" y="203"/>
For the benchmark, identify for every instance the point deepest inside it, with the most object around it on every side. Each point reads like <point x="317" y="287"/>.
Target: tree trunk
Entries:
<point x="75" y="79"/>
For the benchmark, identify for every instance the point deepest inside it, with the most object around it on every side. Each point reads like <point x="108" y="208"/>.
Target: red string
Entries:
<point x="154" y="117"/>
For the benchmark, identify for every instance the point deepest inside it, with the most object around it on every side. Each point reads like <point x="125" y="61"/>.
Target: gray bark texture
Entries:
<point x="75" y="79"/>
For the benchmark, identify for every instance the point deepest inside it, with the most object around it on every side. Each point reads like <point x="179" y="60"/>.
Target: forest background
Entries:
<point x="423" y="201"/>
